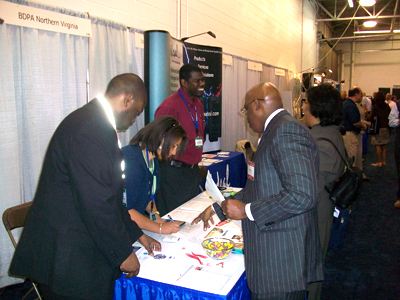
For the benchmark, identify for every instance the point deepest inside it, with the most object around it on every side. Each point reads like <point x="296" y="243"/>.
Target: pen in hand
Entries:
<point x="172" y="220"/>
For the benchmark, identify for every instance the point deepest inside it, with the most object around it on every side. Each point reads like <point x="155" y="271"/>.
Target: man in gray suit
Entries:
<point x="278" y="204"/>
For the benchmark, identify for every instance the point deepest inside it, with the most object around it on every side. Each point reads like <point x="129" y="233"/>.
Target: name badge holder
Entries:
<point x="250" y="170"/>
<point x="152" y="214"/>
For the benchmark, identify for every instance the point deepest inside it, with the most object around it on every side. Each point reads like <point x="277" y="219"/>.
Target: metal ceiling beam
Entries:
<point x="394" y="13"/>
<point x="358" y="37"/>
<point x="325" y="10"/>
<point x="357" y="18"/>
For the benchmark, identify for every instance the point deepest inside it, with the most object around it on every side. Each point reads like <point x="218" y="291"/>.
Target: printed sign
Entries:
<point x="26" y="16"/>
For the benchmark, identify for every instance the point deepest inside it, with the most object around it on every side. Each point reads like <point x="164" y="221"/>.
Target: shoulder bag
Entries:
<point x="347" y="187"/>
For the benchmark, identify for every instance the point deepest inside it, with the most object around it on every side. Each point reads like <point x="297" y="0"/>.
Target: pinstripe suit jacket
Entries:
<point x="281" y="246"/>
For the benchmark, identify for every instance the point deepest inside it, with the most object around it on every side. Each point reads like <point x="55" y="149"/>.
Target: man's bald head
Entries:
<point x="261" y="101"/>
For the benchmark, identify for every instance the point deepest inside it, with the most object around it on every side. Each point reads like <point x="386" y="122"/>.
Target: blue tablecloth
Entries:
<point x="143" y="289"/>
<point x="231" y="171"/>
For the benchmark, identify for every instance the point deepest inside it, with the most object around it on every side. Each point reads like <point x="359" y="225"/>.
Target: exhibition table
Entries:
<point x="182" y="270"/>
<point x="227" y="168"/>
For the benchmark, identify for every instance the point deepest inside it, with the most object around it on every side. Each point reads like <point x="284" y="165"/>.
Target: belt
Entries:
<point x="179" y="164"/>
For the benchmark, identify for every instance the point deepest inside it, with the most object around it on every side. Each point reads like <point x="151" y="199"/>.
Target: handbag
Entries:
<point x="347" y="187"/>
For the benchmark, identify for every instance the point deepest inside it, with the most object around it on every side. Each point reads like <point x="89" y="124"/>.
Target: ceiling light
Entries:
<point x="372" y="31"/>
<point x="351" y="3"/>
<point x="367" y="2"/>
<point x="370" y="23"/>
<point x="396" y="31"/>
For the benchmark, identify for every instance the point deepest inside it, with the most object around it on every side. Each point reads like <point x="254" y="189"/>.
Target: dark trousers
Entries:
<point x="297" y="295"/>
<point x="177" y="185"/>
<point x="397" y="159"/>
<point x="47" y="294"/>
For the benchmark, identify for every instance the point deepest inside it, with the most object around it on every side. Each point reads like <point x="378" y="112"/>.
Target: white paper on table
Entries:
<point x="212" y="189"/>
<point x="198" y="206"/>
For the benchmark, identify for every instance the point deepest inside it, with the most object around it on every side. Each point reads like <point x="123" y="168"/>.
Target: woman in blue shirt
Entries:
<point x="158" y="140"/>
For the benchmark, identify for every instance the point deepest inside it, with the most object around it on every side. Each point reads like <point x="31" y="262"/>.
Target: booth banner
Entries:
<point x="209" y="60"/>
<point x="26" y="16"/>
<point x="163" y="57"/>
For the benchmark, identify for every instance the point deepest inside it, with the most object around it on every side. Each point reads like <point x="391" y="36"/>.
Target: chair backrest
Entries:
<point x="15" y="217"/>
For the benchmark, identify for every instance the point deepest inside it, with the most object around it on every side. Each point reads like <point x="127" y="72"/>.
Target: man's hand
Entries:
<point x="131" y="266"/>
<point x="205" y="216"/>
<point x="234" y="209"/>
<point x="150" y="244"/>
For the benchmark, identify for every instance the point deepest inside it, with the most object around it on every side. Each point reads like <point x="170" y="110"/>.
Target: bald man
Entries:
<point x="78" y="235"/>
<point x="278" y="204"/>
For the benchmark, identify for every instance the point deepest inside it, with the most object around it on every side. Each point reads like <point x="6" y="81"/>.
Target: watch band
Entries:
<point x="218" y="210"/>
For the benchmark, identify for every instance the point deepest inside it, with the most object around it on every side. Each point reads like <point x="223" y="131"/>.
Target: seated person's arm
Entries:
<point x="147" y="224"/>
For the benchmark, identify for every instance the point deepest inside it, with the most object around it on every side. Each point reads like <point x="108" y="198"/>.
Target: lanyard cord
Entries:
<point x="151" y="169"/>
<point x="195" y="122"/>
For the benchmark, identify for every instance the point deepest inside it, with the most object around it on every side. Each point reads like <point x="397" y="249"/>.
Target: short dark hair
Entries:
<point x="165" y="128"/>
<point x="354" y="91"/>
<point x="326" y="104"/>
<point x="185" y="72"/>
<point x="127" y="83"/>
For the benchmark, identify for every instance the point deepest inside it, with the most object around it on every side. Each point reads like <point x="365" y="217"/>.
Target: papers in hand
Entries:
<point x="212" y="189"/>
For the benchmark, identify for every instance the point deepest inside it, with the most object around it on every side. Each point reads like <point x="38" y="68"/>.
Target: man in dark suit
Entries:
<point x="78" y="236"/>
<point x="278" y="204"/>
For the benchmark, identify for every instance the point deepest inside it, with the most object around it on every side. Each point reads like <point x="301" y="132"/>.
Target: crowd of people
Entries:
<point x="94" y="197"/>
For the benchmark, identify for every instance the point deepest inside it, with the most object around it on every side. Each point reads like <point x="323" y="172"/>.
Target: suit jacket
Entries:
<point x="281" y="246"/>
<point x="77" y="232"/>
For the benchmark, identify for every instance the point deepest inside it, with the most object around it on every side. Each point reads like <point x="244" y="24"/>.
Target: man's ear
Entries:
<point x="183" y="83"/>
<point x="128" y="100"/>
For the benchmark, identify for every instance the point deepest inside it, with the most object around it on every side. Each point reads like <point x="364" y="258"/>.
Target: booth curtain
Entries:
<point x="112" y="51"/>
<point x="42" y="79"/>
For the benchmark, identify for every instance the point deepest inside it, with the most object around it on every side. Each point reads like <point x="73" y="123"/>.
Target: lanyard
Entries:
<point x="151" y="169"/>
<point x="195" y="122"/>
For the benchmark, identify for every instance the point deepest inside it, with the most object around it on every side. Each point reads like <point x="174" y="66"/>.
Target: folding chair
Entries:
<point x="15" y="217"/>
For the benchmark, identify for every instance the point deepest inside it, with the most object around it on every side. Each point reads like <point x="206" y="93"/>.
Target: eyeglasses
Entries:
<point x="244" y="109"/>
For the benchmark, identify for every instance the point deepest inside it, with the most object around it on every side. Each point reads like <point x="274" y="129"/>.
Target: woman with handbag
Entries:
<point x="323" y="114"/>
<point x="380" y="113"/>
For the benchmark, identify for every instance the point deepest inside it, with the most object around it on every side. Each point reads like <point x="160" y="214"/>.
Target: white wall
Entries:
<point x="372" y="69"/>
<point x="267" y="31"/>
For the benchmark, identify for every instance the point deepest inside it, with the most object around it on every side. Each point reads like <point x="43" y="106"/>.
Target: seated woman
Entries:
<point x="160" y="139"/>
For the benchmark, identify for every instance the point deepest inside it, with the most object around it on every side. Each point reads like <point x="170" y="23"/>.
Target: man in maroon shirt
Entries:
<point x="180" y="179"/>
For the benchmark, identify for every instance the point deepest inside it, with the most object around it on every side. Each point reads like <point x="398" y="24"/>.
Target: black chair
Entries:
<point x="15" y="217"/>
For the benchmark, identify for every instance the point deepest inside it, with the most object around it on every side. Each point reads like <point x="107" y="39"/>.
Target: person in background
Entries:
<point x="78" y="236"/>
<point x="323" y="114"/>
<point x="278" y="204"/>
<point x="394" y="99"/>
<point x="381" y="111"/>
<point x="343" y="94"/>
<point x="159" y="140"/>
<point x="353" y="125"/>
<point x="394" y="121"/>
<point x="389" y="100"/>
<point x="180" y="178"/>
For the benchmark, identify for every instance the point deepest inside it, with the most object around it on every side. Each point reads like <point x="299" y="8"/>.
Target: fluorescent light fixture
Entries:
<point x="370" y="23"/>
<point x="396" y="31"/>
<point x="367" y="2"/>
<point x="372" y="31"/>
<point x="351" y="3"/>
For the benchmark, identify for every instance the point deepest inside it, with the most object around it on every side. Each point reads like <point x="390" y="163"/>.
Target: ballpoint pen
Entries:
<point x="172" y="220"/>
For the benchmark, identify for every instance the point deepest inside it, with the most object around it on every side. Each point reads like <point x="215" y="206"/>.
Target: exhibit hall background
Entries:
<point x="46" y="75"/>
